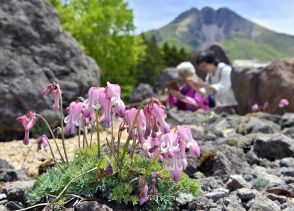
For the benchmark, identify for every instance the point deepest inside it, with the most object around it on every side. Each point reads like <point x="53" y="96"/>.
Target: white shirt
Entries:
<point x="221" y="82"/>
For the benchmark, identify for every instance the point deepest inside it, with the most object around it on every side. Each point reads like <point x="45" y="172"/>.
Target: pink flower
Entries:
<point x="42" y="141"/>
<point x="178" y="162"/>
<point x="255" y="107"/>
<point x="158" y="111"/>
<point x="140" y="125"/>
<point x="111" y="103"/>
<point x="169" y="144"/>
<point x="74" y="117"/>
<point x="119" y="108"/>
<point x="106" y="106"/>
<point x="176" y="166"/>
<point x="173" y="146"/>
<point x="143" y="192"/>
<point x="186" y="135"/>
<point x="93" y="100"/>
<point x="113" y="91"/>
<point x="130" y="116"/>
<point x="151" y="147"/>
<point x="55" y="89"/>
<point x="28" y="121"/>
<point x="283" y="103"/>
<point x="155" y="118"/>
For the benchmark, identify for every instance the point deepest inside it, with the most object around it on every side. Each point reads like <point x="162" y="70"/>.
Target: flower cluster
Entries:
<point x="282" y="104"/>
<point x="82" y="114"/>
<point x="158" y="139"/>
<point x="146" y="126"/>
<point x="256" y="108"/>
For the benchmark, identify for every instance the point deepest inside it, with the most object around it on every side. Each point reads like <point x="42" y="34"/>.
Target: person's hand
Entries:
<point x="190" y="101"/>
<point x="174" y="93"/>
<point x="196" y="83"/>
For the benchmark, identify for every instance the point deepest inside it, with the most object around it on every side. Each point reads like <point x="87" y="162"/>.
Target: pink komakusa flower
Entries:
<point x="151" y="147"/>
<point x="113" y="91"/>
<point x="175" y="166"/>
<point x="74" y="116"/>
<point x="93" y="100"/>
<point x="169" y="144"/>
<point x="283" y="103"/>
<point x="130" y="116"/>
<point x="255" y="107"/>
<point x="55" y="89"/>
<point x="28" y="121"/>
<point x="178" y="162"/>
<point x="155" y="118"/>
<point x="42" y="141"/>
<point x="185" y="134"/>
<point x="143" y="192"/>
<point x="139" y="128"/>
<point x="173" y="147"/>
<point x="106" y="106"/>
<point x="158" y="111"/>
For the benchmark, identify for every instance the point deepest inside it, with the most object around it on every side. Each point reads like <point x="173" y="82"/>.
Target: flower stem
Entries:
<point x="47" y="124"/>
<point x="91" y="137"/>
<point x="125" y="148"/>
<point x="27" y="154"/>
<point x="70" y="182"/>
<point x="79" y="138"/>
<point x="112" y="135"/>
<point x="62" y="130"/>
<point x="85" y="135"/>
<point x="98" y="133"/>
<point x="118" y="140"/>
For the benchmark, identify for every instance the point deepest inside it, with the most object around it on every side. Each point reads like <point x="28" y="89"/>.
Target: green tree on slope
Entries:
<point x="104" y="30"/>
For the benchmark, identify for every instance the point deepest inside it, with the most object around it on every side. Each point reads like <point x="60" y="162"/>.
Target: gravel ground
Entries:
<point x="15" y="152"/>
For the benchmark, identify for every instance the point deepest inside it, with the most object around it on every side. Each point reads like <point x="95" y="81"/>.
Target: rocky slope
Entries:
<point x="33" y="51"/>
<point x="195" y="29"/>
<point x="247" y="163"/>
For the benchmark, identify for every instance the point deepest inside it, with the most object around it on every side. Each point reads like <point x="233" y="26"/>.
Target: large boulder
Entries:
<point x="261" y="85"/>
<point x="222" y="161"/>
<point x="34" y="50"/>
<point x="273" y="146"/>
<point x="168" y="75"/>
<point x="256" y="125"/>
<point x="141" y="92"/>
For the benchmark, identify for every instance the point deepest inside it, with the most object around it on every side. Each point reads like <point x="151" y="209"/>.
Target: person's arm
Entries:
<point x="183" y="98"/>
<point x="199" y="86"/>
<point x="224" y="83"/>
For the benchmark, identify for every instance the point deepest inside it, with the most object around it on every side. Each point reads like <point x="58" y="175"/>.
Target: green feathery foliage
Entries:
<point x="114" y="188"/>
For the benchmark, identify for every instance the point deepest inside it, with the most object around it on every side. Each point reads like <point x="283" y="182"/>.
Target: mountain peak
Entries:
<point x="186" y="14"/>
<point x="194" y="29"/>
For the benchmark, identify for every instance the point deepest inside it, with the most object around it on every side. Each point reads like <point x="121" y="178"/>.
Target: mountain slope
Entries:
<point x="195" y="29"/>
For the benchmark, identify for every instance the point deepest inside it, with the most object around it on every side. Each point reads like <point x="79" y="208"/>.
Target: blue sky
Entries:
<point x="277" y="15"/>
